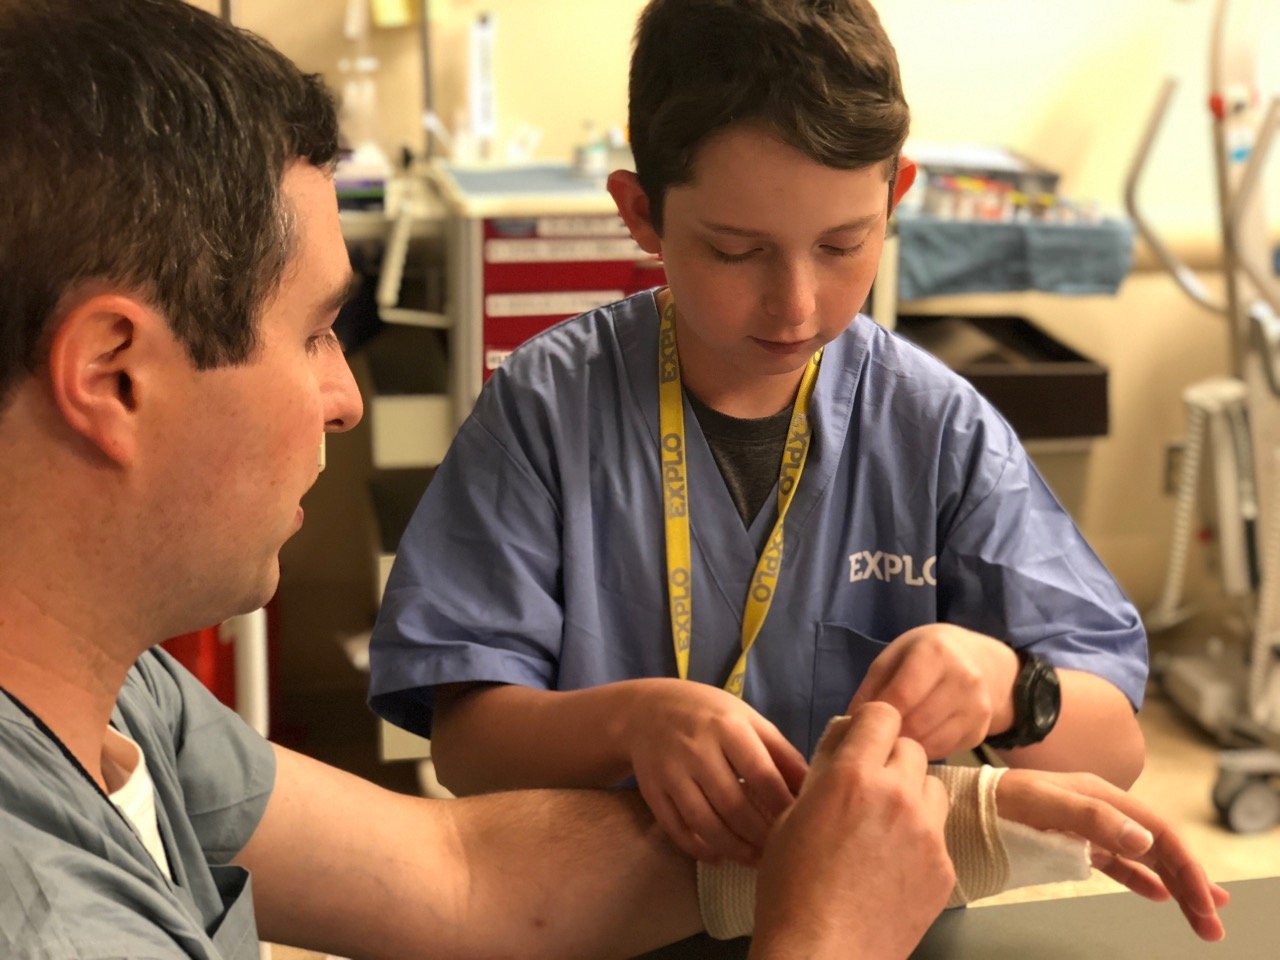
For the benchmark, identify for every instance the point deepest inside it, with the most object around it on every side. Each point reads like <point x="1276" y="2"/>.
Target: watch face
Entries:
<point x="1046" y="699"/>
<point x="1045" y="712"/>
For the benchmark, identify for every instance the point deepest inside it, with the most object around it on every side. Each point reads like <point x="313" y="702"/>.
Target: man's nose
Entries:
<point x="343" y="405"/>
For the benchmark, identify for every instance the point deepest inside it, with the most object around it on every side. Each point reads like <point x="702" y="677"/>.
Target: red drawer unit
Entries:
<point x="526" y="248"/>
<point x="539" y="270"/>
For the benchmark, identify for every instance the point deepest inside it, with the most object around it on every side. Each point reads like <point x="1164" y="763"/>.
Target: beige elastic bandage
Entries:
<point x="989" y="854"/>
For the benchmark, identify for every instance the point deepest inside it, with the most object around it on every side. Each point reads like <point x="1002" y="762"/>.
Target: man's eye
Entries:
<point x="321" y="340"/>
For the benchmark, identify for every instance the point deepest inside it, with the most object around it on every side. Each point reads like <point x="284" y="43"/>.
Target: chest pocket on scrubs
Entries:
<point x="840" y="662"/>
<point x="236" y="933"/>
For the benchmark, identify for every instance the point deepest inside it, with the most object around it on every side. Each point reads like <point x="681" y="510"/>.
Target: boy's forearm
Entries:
<point x="1096" y="732"/>
<point x="502" y="737"/>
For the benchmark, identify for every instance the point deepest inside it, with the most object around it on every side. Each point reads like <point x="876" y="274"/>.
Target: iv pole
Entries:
<point x="1236" y="699"/>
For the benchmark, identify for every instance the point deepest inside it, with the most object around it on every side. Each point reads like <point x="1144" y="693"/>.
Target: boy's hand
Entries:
<point x="866" y="833"/>
<point x="1131" y="843"/>
<point x="715" y="773"/>
<point x="952" y="686"/>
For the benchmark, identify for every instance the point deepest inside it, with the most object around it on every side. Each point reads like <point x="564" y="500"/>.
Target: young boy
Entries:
<point x="740" y="481"/>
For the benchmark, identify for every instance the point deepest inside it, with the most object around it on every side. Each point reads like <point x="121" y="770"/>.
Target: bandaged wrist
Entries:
<point x="989" y="855"/>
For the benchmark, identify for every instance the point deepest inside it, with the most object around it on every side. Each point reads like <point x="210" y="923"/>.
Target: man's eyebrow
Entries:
<point x="341" y="296"/>
<point x="858" y="223"/>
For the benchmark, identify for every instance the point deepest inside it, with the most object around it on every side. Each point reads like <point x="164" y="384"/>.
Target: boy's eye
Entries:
<point x="726" y="257"/>
<point x="841" y="251"/>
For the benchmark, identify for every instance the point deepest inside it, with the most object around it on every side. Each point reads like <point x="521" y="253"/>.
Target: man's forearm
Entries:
<point x="607" y="881"/>
<point x="342" y="866"/>
<point x="506" y="737"/>
<point x="1096" y="732"/>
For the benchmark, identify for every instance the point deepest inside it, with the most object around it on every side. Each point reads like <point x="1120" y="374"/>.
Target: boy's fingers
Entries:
<point x="880" y="672"/>
<point x="702" y="819"/>
<point x="778" y="760"/>
<point x="668" y="817"/>
<point x="731" y="802"/>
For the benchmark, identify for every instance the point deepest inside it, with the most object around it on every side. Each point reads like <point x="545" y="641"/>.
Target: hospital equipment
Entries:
<point x="1234" y="423"/>
<point x="524" y="248"/>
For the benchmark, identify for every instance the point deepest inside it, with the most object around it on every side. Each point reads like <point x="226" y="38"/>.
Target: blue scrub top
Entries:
<point x="75" y="879"/>
<point x="537" y="555"/>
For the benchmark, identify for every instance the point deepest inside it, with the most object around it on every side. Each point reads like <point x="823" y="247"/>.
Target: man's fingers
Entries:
<point x="1119" y="823"/>
<point x="1141" y="880"/>
<point x="909" y="759"/>
<point x="867" y="735"/>
<point x="936" y="801"/>
<point x="1144" y="882"/>
<point x="1182" y="874"/>
<point x="1046" y="806"/>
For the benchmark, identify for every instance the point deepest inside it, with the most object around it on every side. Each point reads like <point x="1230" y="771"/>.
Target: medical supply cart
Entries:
<point x="524" y="248"/>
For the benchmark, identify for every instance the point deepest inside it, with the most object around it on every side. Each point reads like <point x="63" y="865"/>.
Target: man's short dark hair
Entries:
<point x="144" y="144"/>
<point x="821" y="75"/>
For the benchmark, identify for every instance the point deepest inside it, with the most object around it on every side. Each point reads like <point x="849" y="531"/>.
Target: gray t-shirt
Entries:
<point x="747" y="451"/>
<point x="75" y="879"/>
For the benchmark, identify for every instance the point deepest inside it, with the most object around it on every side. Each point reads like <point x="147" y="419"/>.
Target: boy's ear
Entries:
<point x="633" y="207"/>
<point x="94" y="364"/>
<point x="907" y="171"/>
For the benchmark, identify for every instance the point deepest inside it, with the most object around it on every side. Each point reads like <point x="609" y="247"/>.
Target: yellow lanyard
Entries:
<point x="675" y="500"/>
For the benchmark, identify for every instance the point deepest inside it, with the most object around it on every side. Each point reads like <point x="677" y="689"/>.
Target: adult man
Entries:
<point x="173" y="266"/>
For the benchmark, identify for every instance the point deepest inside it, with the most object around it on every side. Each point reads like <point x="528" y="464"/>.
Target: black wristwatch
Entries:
<point x="1037" y="699"/>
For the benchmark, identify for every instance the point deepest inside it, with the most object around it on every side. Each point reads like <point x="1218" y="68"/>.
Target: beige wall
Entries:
<point x="1069" y="84"/>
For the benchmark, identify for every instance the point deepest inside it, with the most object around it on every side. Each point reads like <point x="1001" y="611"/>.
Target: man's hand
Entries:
<point x="859" y="862"/>
<point x="715" y="773"/>
<point x="1131" y="843"/>
<point x="952" y="686"/>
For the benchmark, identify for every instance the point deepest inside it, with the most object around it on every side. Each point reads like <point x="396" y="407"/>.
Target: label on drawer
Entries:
<point x="582" y="227"/>
<point x="568" y="303"/>
<point x="493" y="358"/>
<point x="562" y="251"/>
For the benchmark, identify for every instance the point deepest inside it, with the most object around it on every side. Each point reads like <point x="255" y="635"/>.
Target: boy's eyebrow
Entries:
<point x="858" y="223"/>
<point x="341" y="296"/>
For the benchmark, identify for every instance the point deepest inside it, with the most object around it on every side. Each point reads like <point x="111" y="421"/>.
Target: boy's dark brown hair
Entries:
<point x="145" y="142"/>
<point x="821" y="75"/>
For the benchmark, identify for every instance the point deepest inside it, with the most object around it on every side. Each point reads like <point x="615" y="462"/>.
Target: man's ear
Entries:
<point x="907" y="171"/>
<point x="94" y="358"/>
<point x="633" y="207"/>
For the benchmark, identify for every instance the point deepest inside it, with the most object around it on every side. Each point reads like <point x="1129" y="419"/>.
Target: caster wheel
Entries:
<point x="1254" y="808"/>
<point x="1228" y="784"/>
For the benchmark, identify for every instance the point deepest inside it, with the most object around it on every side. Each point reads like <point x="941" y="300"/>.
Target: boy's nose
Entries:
<point x="792" y="294"/>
